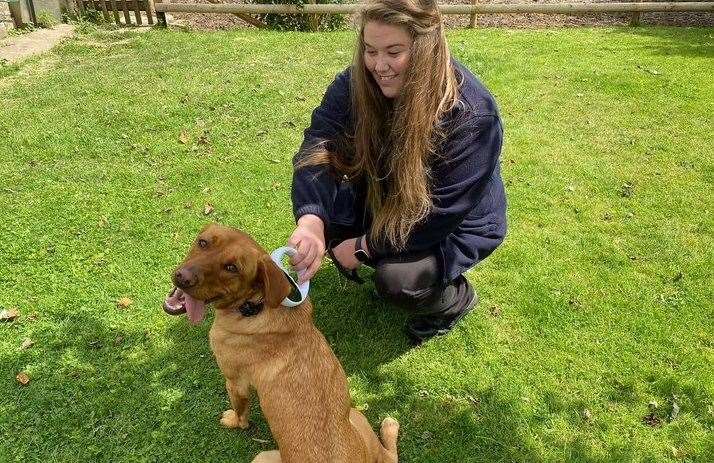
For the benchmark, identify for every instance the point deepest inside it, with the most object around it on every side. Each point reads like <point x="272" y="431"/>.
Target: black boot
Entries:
<point x="423" y="327"/>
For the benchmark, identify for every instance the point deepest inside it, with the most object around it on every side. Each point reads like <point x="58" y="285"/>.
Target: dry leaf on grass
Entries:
<point x="652" y="420"/>
<point x="124" y="303"/>
<point x="207" y="209"/>
<point x="203" y="139"/>
<point x="23" y="379"/>
<point x="9" y="315"/>
<point x="27" y="343"/>
<point x="184" y="138"/>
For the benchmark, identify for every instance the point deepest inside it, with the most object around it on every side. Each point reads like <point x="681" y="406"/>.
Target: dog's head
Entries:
<point x="228" y="268"/>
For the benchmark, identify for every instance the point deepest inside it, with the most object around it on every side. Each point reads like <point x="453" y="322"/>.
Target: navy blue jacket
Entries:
<point x="468" y="218"/>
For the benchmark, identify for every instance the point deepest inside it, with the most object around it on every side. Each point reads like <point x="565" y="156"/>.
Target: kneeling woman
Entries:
<point x="399" y="169"/>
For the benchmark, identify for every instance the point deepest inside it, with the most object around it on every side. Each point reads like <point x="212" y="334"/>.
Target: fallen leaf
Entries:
<point x="203" y="139"/>
<point x="651" y="420"/>
<point x="495" y="311"/>
<point x="675" y="410"/>
<point x="626" y="190"/>
<point x="23" y="379"/>
<point x="587" y="415"/>
<point x="9" y="315"/>
<point x="27" y="343"/>
<point x="208" y="209"/>
<point x="124" y="303"/>
<point x="184" y="138"/>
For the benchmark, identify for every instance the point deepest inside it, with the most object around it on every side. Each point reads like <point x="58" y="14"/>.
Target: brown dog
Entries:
<point x="277" y="350"/>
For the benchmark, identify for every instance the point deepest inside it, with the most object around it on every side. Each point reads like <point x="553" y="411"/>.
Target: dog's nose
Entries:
<point x="184" y="278"/>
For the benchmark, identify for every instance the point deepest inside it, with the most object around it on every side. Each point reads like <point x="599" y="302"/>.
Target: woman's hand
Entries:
<point x="309" y="241"/>
<point x="345" y="254"/>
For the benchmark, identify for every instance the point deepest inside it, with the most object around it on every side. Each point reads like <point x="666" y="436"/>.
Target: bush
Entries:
<point x="300" y="22"/>
<point x="46" y="19"/>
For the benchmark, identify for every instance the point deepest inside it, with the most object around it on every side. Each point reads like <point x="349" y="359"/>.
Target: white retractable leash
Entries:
<point x="277" y="257"/>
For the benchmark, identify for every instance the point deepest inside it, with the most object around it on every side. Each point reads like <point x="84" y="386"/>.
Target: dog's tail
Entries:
<point x="388" y="434"/>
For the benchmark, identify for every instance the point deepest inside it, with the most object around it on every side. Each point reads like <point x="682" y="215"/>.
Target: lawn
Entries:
<point x="594" y="337"/>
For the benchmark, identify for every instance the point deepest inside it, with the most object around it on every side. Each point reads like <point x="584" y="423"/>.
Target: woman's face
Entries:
<point x="386" y="55"/>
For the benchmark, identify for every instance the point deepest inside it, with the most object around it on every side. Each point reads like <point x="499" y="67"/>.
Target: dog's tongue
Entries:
<point x="194" y="309"/>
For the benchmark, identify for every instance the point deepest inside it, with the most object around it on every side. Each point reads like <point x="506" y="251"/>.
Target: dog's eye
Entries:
<point x="202" y="243"/>
<point x="231" y="268"/>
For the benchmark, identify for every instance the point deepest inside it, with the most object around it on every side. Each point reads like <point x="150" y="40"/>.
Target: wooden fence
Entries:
<point x="126" y="7"/>
<point x="486" y="8"/>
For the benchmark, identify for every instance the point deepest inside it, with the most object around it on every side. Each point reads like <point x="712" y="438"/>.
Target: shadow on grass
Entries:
<point x="100" y="392"/>
<point x="675" y="41"/>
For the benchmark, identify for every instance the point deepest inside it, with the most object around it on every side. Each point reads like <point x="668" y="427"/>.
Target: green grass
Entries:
<point x="604" y="284"/>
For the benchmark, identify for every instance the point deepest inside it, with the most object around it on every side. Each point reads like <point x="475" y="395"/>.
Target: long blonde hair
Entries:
<point x="395" y="140"/>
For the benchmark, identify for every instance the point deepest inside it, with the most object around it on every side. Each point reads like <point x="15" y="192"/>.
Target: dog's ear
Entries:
<point x="275" y="284"/>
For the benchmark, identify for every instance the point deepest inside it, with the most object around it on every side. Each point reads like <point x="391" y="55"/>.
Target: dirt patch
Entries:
<point x="228" y="21"/>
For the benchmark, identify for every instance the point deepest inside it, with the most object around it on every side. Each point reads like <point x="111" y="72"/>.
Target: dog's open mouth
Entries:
<point x="179" y="302"/>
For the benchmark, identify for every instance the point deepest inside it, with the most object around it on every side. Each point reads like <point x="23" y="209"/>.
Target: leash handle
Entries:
<point x="277" y="257"/>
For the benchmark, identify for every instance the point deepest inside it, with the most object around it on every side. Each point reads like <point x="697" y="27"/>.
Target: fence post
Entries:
<point x="16" y="14"/>
<point x="472" y="21"/>
<point x="635" y="18"/>
<point x="160" y="15"/>
<point x="313" y="18"/>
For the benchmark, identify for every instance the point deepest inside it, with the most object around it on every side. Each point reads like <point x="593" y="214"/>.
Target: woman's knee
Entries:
<point x="407" y="283"/>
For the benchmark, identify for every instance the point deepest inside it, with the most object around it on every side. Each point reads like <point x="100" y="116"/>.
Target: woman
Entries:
<point x="399" y="169"/>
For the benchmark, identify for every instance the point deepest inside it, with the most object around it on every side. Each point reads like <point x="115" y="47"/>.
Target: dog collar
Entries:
<point x="249" y="309"/>
<point x="277" y="257"/>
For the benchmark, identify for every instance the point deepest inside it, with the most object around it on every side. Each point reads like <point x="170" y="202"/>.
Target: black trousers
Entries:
<point x="412" y="281"/>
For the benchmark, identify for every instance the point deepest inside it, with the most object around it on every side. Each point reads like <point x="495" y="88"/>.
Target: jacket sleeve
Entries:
<point x="459" y="177"/>
<point x="313" y="187"/>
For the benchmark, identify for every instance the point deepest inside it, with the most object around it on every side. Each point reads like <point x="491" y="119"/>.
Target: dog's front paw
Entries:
<point x="230" y="419"/>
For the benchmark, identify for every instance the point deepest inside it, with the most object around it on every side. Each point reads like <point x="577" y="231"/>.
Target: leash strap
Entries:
<point x="349" y="274"/>
<point x="277" y="257"/>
